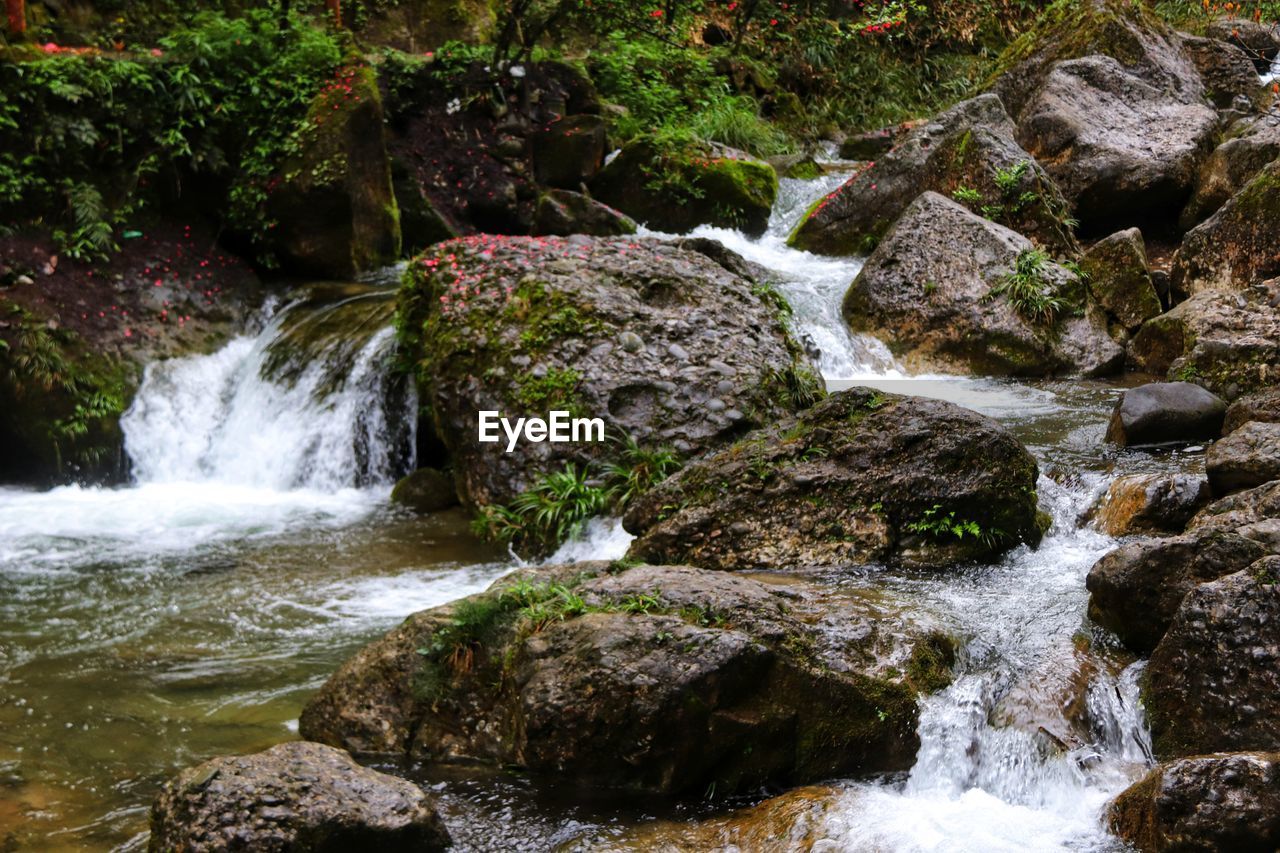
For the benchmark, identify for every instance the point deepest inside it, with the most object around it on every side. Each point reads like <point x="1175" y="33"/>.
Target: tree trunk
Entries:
<point x="335" y="9"/>
<point x="17" y="10"/>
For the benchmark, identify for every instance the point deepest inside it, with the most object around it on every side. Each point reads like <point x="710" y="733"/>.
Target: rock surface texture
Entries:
<point x="1166" y="413"/>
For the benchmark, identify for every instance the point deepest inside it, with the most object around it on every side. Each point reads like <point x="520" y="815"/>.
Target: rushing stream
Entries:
<point x="143" y="629"/>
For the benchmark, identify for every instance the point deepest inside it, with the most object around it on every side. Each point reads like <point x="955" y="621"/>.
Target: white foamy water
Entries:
<point x="601" y="539"/>
<point x="1273" y="75"/>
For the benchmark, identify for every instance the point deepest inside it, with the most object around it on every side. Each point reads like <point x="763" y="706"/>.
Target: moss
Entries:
<point x="1133" y="815"/>
<point x="930" y="667"/>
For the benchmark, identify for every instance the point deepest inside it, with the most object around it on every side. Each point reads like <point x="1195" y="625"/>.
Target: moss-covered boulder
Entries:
<point x="1116" y="272"/>
<point x="333" y="205"/>
<point x="1248" y="146"/>
<point x="862" y="477"/>
<point x="425" y="490"/>
<point x="676" y="186"/>
<point x="1229" y="342"/>
<point x="1208" y="803"/>
<point x="561" y="212"/>
<point x="663" y="343"/>
<point x="951" y="291"/>
<point x="967" y="153"/>
<point x="654" y="678"/>
<point x="567" y="153"/>
<point x="1239" y="245"/>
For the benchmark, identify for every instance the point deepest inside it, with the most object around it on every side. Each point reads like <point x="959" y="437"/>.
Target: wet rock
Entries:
<point x="1263" y="406"/>
<point x="425" y="490"/>
<point x="869" y="145"/>
<point x="1165" y="413"/>
<point x="928" y="289"/>
<point x="1213" y="682"/>
<point x="1122" y="150"/>
<point x="336" y="205"/>
<point x="421" y="223"/>
<point x="569" y="152"/>
<point x="1151" y="503"/>
<point x="561" y="213"/>
<point x="1227" y="71"/>
<point x="1249" y="145"/>
<point x="676" y="190"/>
<point x="1119" y="278"/>
<point x="525" y="326"/>
<point x="1228" y="342"/>
<point x="1202" y="805"/>
<point x="1136" y="589"/>
<point x="1260" y="41"/>
<point x="877" y="477"/>
<point x="655" y="678"/>
<point x="1237" y="246"/>
<point x="1248" y="457"/>
<point x="969" y="149"/>
<point x="293" y="797"/>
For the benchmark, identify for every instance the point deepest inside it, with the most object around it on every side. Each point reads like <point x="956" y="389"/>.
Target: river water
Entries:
<point x="145" y="628"/>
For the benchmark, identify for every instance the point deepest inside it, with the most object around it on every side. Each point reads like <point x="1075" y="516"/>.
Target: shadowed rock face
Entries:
<point x="1165" y="413"/>
<point x="1250" y="144"/>
<point x="658" y="678"/>
<point x="293" y="797"/>
<point x="1204" y="804"/>
<point x="862" y="477"/>
<point x="1263" y="407"/>
<point x="1238" y="246"/>
<point x="1248" y="457"/>
<point x="1118" y="277"/>
<point x="931" y="290"/>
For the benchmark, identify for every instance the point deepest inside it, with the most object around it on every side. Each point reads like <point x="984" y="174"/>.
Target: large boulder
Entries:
<point x="862" y="477"/>
<point x="1213" y="682"/>
<point x="1228" y="342"/>
<point x="1166" y="413"/>
<point x="1260" y="41"/>
<point x="1262" y="406"/>
<point x="969" y="151"/>
<point x="664" y="679"/>
<point x="294" y="797"/>
<point x="1248" y="457"/>
<point x="335" y="204"/>
<point x="676" y="188"/>
<point x="1119" y="278"/>
<point x="1206" y="804"/>
<point x="1239" y="245"/>
<point x="932" y="290"/>
<point x="1122" y="150"/>
<point x="662" y="342"/>
<point x="1151" y="503"/>
<point x="568" y="152"/>
<point x="1226" y="69"/>
<point x="1249" y="145"/>
<point x="561" y="212"/>
<point x="425" y="490"/>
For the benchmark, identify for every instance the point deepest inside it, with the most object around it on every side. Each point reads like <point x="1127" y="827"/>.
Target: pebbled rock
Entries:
<point x="662" y="678"/>
<point x="1213" y="682"/>
<point x="1263" y="406"/>
<point x="560" y="213"/>
<point x="862" y="477"/>
<point x="630" y="331"/>
<point x="1249" y="145"/>
<point x="1229" y="342"/>
<point x="964" y="147"/>
<point x="425" y="490"/>
<point x="1248" y="457"/>
<point x="1238" y="246"/>
<point x="1260" y="41"/>
<point x="926" y="289"/>
<point x="568" y="152"/>
<point x="1165" y="413"/>
<point x="1122" y="150"/>
<point x="652" y="183"/>
<point x="1227" y="71"/>
<point x="1204" y="804"/>
<point x="293" y="797"/>
<point x="1151" y="503"/>
<point x="1119" y="278"/>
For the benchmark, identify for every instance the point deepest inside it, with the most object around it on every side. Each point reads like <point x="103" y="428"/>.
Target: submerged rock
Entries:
<point x="1165" y="413"/>
<point x="968" y="151"/>
<point x="676" y="190"/>
<point x="862" y="477"/>
<point x="1119" y="278"/>
<point x="1151" y="503"/>
<point x="1227" y="802"/>
<point x="1248" y="457"/>
<point x="1249" y="145"/>
<point x="933" y="290"/>
<point x="657" y="678"/>
<point x="662" y="342"/>
<point x="1239" y="245"/>
<point x="293" y="797"/>
<point x="1213" y="682"/>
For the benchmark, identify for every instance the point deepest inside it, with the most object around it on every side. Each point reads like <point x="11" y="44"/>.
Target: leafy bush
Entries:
<point x="1030" y="293"/>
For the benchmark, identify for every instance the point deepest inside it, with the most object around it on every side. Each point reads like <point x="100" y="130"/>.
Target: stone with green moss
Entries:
<point x="1116" y="272"/>
<point x="664" y="679"/>
<point x="677" y="185"/>
<point x="1238" y="246"/>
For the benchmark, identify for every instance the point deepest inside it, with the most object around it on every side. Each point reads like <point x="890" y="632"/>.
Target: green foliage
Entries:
<point x="555" y="389"/>
<point x="545" y="515"/>
<point x="795" y="387"/>
<point x="936" y="524"/>
<point x="1027" y="289"/>
<point x="637" y="470"/>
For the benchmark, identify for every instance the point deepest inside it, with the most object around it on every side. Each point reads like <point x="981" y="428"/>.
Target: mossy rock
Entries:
<point x="335" y="207"/>
<point x="1239" y="245"/>
<point x="1116" y="272"/>
<point x="677" y="186"/>
<point x="425" y="490"/>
